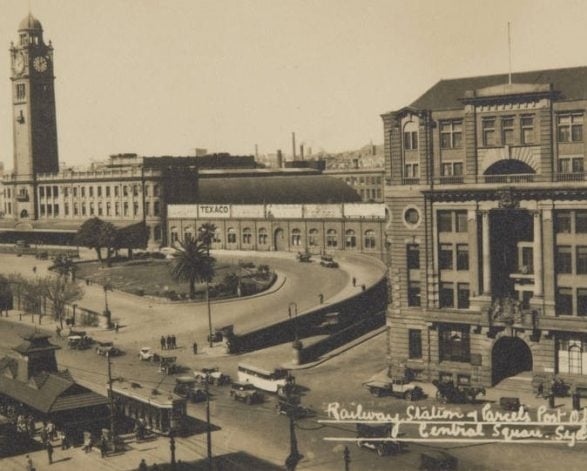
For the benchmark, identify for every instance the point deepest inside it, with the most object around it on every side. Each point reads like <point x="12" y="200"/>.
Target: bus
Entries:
<point x="270" y="381"/>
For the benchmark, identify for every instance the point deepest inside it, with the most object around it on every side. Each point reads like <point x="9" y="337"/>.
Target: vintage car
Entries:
<point x="433" y="460"/>
<point x="400" y="387"/>
<point x="78" y="342"/>
<point x="107" y="348"/>
<point x="369" y="436"/>
<point x="300" y="412"/>
<point x="147" y="354"/>
<point x="328" y="262"/>
<point x="245" y="392"/>
<point x="185" y="386"/>
<point x="214" y="375"/>
<point x="167" y="365"/>
<point x="447" y="392"/>
<point x="304" y="257"/>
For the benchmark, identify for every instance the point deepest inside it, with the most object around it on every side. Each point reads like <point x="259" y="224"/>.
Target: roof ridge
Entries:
<point x="505" y="74"/>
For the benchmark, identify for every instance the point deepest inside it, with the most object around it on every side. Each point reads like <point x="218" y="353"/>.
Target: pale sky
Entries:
<point x="161" y="77"/>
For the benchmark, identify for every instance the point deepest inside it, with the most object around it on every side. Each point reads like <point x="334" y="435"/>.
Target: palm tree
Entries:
<point x="193" y="263"/>
<point x="206" y="234"/>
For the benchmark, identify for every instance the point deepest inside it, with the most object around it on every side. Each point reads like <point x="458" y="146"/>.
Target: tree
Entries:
<point x="63" y="265"/>
<point x="97" y="234"/>
<point x="193" y="263"/>
<point x="5" y="294"/>
<point x="132" y="237"/>
<point x="61" y="292"/>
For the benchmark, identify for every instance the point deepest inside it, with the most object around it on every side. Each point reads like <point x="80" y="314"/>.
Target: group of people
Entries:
<point x="168" y="343"/>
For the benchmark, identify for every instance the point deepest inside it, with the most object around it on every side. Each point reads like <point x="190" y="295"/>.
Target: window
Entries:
<point x="451" y="134"/>
<point x="413" y="251"/>
<point x="75" y="210"/>
<point x="99" y="191"/>
<point x="125" y="190"/>
<point x="581" y="260"/>
<point x="570" y="127"/>
<point x="370" y="242"/>
<point x="331" y="238"/>
<point x="117" y="209"/>
<point x="563" y="222"/>
<point x="125" y="208"/>
<point x="231" y="236"/>
<point x="155" y="190"/>
<point x="564" y="301"/>
<point x="65" y="192"/>
<point x="445" y="257"/>
<point x="75" y="191"/>
<point x="157" y="233"/>
<point x="412" y="171"/>
<point x="135" y="190"/>
<point x="313" y="237"/>
<point x="263" y="237"/>
<point x="66" y="209"/>
<point x="444" y="221"/>
<point x="135" y="208"/>
<point x="42" y="210"/>
<point x="488" y="126"/>
<point x="296" y="237"/>
<point x="581" y="222"/>
<point x="449" y="169"/>
<point x="415" y="343"/>
<point x="526" y="260"/>
<point x="188" y="233"/>
<point x="411" y="216"/>
<point x="507" y="131"/>
<point x="91" y="191"/>
<point x="461" y="219"/>
<point x="42" y="191"/>
<point x="462" y="257"/>
<point x="116" y="190"/>
<point x="55" y="210"/>
<point x="564" y="261"/>
<point x="147" y="208"/>
<point x="20" y="91"/>
<point x="83" y="191"/>
<point x="447" y="297"/>
<point x="247" y="236"/>
<point x="174" y="234"/>
<point x="527" y="129"/>
<point x="91" y="209"/>
<point x="411" y="140"/>
<point x="108" y="206"/>
<point x="414" y="294"/>
<point x="83" y="209"/>
<point x="350" y="240"/>
<point x="454" y="344"/>
<point x="156" y="208"/>
<point x="48" y="192"/>
<point x="108" y="191"/>
<point x="581" y="302"/>
<point x="463" y="294"/>
<point x="571" y="165"/>
<point x="575" y="358"/>
<point x="99" y="208"/>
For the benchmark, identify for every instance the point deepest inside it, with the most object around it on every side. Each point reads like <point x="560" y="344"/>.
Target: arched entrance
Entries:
<point x="279" y="240"/>
<point x="509" y="357"/>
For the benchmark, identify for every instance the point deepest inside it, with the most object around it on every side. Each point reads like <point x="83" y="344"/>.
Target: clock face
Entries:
<point x="40" y="64"/>
<point x="19" y="64"/>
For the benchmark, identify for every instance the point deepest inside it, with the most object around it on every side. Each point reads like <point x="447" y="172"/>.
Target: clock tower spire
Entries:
<point x="33" y="102"/>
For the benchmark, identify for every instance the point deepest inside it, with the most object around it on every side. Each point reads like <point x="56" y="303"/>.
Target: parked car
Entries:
<point x="300" y="412"/>
<point x="78" y="342"/>
<point x="147" y="354"/>
<point x="328" y="262"/>
<point x="107" y="348"/>
<point x="185" y="386"/>
<point x="447" y="392"/>
<point x="245" y="392"/>
<point x="369" y="434"/>
<point x="304" y="257"/>
<point x="399" y="387"/>
<point x="215" y="376"/>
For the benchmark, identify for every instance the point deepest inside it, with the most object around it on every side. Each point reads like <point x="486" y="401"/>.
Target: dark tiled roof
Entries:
<point x="276" y="190"/>
<point x="35" y="342"/>
<point x="446" y="94"/>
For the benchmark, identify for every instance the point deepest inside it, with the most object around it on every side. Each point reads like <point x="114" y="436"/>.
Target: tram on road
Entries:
<point x="160" y="412"/>
<point x="270" y="381"/>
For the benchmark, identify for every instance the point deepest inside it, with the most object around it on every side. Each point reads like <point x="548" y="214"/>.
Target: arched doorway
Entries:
<point x="509" y="357"/>
<point x="279" y="240"/>
<point x="509" y="167"/>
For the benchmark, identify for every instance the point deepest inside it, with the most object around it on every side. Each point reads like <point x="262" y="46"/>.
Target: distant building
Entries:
<point x="368" y="183"/>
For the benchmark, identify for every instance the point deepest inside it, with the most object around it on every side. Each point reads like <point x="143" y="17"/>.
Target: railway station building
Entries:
<point x="486" y="189"/>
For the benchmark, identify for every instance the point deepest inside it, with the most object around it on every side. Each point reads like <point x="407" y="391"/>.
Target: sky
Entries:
<point x="162" y="77"/>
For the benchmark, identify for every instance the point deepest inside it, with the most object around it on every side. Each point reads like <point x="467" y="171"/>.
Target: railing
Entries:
<point x="452" y="180"/>
<point x="571" y="177"/>
<point x="410" y="181"/>
<point x="514" y="178"/>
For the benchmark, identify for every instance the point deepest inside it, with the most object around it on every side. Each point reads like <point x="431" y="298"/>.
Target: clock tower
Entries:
<point x="34" y="119"/>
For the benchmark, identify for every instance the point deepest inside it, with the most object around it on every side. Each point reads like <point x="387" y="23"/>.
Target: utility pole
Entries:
<point x="172" y="449"/>
<point x="347" y="458"/>
<point x="208" y="428"/>
<point x="111" y="397"/>
<point x="292" y="401"/>
<point x="211" y="344"/>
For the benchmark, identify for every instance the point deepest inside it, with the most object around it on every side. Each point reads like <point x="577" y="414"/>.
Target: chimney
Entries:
<point x="293" y="144"/>
<point x="279" y="159"/>
<point x="301" y="151"/>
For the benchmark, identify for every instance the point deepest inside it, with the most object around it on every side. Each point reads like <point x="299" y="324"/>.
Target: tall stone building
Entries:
<point x="485" y="185"/>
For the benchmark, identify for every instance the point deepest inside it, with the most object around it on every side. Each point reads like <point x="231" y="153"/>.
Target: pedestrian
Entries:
<point x="143" y="465"/>
<point x="195" y="347"/>
<point x="103" y="447"/>
<point x="354" y="281"/>
<point x="64" y="444"/>
<point x="34" y="269"/>
<point x="29" y="464"/>
<point x="50" y="452"/>
<point x="116" y="327"/>
<point x="173" y="344"/>
<point x="87" y="282"/>
<point x="162" y="342"/>
<point x="44" y="436"/>
<point x="51" y="430"/>
<point x="168" y="340"/>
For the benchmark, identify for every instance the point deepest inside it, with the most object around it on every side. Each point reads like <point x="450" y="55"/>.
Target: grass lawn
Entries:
<point x="151" y="276"/>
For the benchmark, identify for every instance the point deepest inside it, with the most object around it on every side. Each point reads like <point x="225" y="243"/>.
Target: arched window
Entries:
<point x="331" y="238"/>
<point x="231" y="235"/>
<point x="575" y="357"/>
<point x="247" y="236"/>
<point x="24" y="213"/>
<point x="174" y="234"/>
<point x="410" y="137"/>
<point x="217" y="233"/>
<point x="350" y="240"/>
<point x="370" y="241"/>
<point x="313" y="237"/>
<point x="296" y="237"/>
<point x="263" y="236"/>
<point x="157" y="233"/>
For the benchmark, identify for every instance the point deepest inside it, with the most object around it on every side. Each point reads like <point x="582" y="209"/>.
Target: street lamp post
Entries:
<point x="107" y="312"/>
<point x="294" y="312"/>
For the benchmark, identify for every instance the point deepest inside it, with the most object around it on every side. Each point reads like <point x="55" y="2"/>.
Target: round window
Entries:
<point x="412" y="216"/>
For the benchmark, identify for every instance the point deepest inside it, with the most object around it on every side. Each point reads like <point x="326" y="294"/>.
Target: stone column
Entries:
<point x="474" y="259"/>
<point x="486" y="254"/>
<point x="537" y="255"/>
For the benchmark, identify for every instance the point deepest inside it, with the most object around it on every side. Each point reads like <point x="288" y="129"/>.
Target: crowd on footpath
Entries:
<point x="168" y="343"/>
